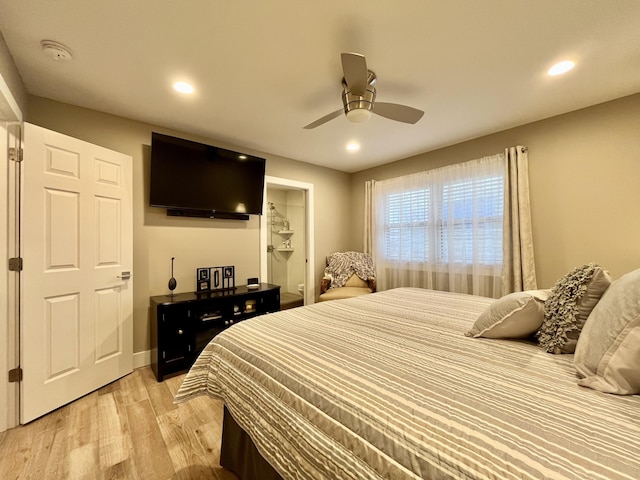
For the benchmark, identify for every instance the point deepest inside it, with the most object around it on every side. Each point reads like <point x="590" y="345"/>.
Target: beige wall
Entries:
<point x="10" y="76"/>
<point x="584" y="177"/>
<point x="193" y="242"/>
<point x="584" y="173"/>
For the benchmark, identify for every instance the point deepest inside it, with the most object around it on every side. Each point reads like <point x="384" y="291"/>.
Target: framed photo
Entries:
<point x="203" y="274"/>
<point x="229" y="277"/>
<point x="220" y="278"/>
<point x="203" y="280"/>
<point x="228" y="272"/>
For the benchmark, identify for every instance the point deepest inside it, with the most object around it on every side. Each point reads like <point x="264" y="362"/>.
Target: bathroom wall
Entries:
<point x="296" y="261"/>
<point x="287" y="268"/>
<point x="276" y="264"/>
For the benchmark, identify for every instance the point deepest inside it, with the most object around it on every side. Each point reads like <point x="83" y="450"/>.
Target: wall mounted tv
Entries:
<point x="197" y="180"/>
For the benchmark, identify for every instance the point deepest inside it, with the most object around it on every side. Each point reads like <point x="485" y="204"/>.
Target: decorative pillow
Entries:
<point x="608" y="352"/>
<point x="516" y="315"/>
<point x="569" y="305"/>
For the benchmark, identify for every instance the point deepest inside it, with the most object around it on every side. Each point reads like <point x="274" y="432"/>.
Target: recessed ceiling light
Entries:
<point x="353" y="146"/>
<point x="242" y="157"/>
<point x="183" y="87"/>
<point x="560" y="68"/>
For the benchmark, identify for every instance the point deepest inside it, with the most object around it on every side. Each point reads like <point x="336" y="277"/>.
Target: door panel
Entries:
<point x="77" y="240"/>
<point x="61" y="336"/>
<point x="61" y="230"/>
<point x="107" y="324"/>
<point x="108" y="220"/>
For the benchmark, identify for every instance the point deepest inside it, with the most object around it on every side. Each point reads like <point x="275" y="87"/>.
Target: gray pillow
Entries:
<point x="608" y="352"/>
<point x="569" y="305"/>
<point x="516" y="315"/>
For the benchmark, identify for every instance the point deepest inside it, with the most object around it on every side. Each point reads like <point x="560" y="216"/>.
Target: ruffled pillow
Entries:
<point x="569" y="305"/>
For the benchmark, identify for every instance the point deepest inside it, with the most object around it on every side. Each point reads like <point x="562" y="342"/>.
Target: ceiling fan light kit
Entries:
<point x="359" y="96"/>
<point x="358" y="108"/>
<point x="358" y="115"/>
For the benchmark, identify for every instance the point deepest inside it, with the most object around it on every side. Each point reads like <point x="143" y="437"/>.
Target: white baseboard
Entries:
<point x="141" y="359"/>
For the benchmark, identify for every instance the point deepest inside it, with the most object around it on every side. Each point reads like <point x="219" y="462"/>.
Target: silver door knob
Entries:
<point x="125" y="275"/>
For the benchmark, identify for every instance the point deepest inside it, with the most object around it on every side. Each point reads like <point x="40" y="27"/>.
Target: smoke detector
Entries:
<point x="56" y="50"/>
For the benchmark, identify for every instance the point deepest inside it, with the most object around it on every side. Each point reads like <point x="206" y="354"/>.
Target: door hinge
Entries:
<point x="15" y="154"/>
<point x="15" y="264"/>
<point x="15" y="375"/>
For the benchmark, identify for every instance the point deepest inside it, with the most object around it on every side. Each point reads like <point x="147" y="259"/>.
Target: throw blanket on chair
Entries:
<point x="340" y="266"/>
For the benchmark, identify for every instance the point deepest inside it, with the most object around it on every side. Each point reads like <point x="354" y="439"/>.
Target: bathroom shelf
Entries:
<point x="282" y="249"/>
<point x="285" y="232"/>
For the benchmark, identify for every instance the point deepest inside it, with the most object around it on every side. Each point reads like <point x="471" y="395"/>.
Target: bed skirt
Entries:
<point x="239" y="455"/>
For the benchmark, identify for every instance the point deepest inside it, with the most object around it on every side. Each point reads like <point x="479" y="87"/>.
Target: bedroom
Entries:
<point x="584" y="168"/>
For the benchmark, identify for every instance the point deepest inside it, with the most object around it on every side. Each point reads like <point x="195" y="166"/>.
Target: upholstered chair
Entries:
<point x="345" y="265"/>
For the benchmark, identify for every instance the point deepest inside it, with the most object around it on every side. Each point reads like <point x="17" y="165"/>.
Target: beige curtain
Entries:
<point x="519" y="271"/>
<point x="368" y="215"/>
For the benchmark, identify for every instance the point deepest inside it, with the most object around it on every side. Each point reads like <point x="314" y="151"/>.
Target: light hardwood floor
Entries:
<point x="129" y="429"/>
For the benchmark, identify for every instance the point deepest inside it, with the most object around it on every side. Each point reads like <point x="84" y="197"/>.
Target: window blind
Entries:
<point x="456" y="221"/>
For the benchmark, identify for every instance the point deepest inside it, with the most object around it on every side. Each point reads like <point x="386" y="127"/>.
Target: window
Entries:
<point x="471" y="221"/>
<point x="406" y="226"/>
<point x="446" y="228"/>
<point x="444" y="220"/>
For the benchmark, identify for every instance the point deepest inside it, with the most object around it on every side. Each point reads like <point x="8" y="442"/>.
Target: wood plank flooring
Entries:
<point x="129" y="429"/>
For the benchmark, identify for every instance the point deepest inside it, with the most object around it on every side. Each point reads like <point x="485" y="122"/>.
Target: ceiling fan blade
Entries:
<point x="354" y="67"/>
<point x="325" y="119"/>
<point x="400" y="113"/>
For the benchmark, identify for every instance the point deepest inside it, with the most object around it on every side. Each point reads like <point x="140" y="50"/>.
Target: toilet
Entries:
<point x="301" y="288"/>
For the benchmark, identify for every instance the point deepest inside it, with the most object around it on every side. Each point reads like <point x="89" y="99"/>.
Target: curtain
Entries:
<point x="519" y="272"/>
<point x="463" y="228"/>
<point x="369" y="185"/>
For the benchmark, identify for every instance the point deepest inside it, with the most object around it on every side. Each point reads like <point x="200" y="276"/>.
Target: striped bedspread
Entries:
<point x="386" y="386"/>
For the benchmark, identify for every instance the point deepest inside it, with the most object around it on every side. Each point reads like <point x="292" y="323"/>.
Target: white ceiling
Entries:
<point x="264" y="69"/>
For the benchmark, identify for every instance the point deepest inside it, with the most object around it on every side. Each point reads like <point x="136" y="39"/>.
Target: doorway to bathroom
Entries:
<point x="287" y="240"/>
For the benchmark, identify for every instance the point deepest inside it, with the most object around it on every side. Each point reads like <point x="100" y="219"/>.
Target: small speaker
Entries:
<point x="253" y="283"/>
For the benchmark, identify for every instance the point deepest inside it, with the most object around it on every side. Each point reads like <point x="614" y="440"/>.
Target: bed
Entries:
<point x="387" y="386"/>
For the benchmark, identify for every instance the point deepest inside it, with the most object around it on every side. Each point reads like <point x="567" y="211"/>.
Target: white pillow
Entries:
<point x="608" y="352"/>
<point x="516" y="315"/>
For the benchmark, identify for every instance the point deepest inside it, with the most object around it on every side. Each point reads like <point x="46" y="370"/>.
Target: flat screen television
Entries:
<point x="194" y="179"/>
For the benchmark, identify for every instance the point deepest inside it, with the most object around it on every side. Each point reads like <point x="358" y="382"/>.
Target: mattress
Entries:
<point x="386" y="386"/>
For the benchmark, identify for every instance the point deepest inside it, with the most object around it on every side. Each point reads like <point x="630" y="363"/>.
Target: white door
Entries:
<point x="77" y="243"/>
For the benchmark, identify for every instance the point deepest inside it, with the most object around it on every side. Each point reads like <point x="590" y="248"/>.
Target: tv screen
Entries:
<point x="187" y="175"/>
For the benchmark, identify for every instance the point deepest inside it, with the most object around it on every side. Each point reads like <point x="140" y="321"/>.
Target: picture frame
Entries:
<point x="203" y="274"/>
<point x="229" y="277"/>
<point x="217" y="278"/>
<point x="213" y="279"/>
<point x="203" y="280"/>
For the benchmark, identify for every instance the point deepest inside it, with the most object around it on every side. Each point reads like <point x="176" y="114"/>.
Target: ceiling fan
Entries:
<point x="359" y="95"/>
